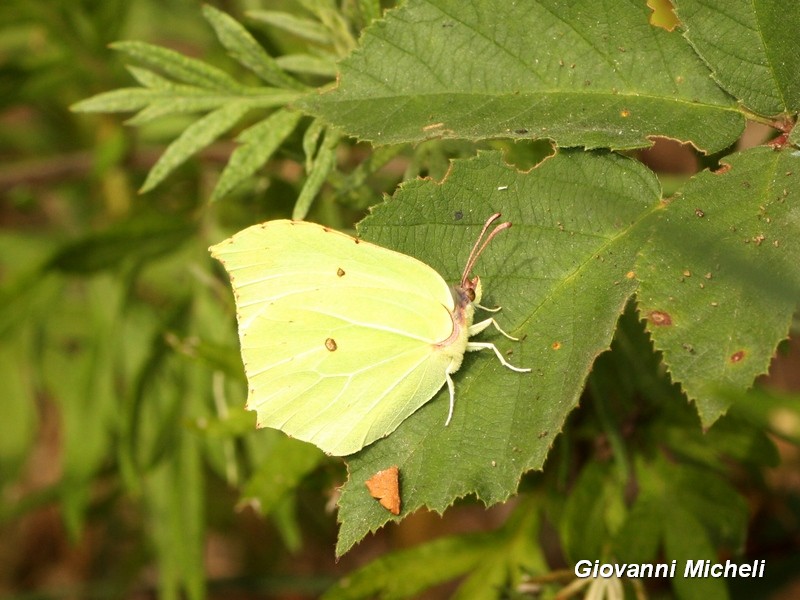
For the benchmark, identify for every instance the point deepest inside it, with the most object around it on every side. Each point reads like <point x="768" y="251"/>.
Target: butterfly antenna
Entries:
<point x="478" y="248"/>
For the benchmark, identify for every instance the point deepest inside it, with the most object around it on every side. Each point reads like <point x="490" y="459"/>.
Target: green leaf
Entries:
<point x="719" y="281"/>
<point x="307" y="29"/>
<point x="150" y="79"/>
<point x="735" y="438"/>
<point x="244" y="48"/>
<point x="369" y="10"/>
<point x="691" y="511"/>
<point x="406" y="573"/>
<point x="769" y="411"/>
<point x="495" y="562"/>
<point x="18" y="414"/>
<point x="78" y="370"/>
<point x="129" y="242"/>
<point x="639" y="538"/>
<point x="516" y="555"/>
<point x="258" y="143"/>
<point x="194" y="138"/>
<point x="186" y="101"/>
<point x="585" y="522"/>
<point x="583" y="74"/>
<point x="310" y="65"/>
<point x="188" y="70"/>
<point x="121" y="100"/>
<point x="281" y="469"/>
<point x="174" y="498"/>
<point x="794" y="139"/>
<point x="311" y="138"/>
<point x="560" y="276"/>
<point x="686" y="539"/>
<point x="751" y="46"/>
<point x="334" y="21"/>
<point x="324" y="162"/>
<point x="178" y="99"/>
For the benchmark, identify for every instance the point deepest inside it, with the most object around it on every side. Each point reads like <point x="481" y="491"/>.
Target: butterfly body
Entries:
<point x="341" y="339"/>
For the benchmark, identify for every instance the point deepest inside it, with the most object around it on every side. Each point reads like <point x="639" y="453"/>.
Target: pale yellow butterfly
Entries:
<point x="342" y="340"/>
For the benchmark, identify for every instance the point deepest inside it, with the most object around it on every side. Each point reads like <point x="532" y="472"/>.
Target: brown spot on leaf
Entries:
<point x="724" y="168"/>
<point x="330" y="344"/>
<point x="624" y="113"/>
<point x="340" y="272"/>
<point x="630" y="274"/>
<point x="556" y="346"/>
<point x="737" y="356"/>
<point x="384" y="486"/>
<point x="660" y="318"/>
<point x="699" y="213"/>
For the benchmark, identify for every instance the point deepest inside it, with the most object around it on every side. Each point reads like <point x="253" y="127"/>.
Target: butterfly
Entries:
<point x="342" y="340"/>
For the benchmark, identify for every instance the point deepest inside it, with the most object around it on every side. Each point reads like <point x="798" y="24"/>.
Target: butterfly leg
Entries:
<point x="478" y="327"/>
<point x="487" y="309"/>
<point x="450" y="386"/>
<point x="471" y="346"/>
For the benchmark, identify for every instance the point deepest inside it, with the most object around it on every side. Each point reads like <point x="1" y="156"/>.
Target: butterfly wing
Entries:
<point x="338" y="336"/>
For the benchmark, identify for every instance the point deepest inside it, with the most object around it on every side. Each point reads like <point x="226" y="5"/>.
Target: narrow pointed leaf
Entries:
<point x="244" y="48"/>
<point x="310" y="65"/>
<point x="258" y="143"/>
<point x="311" y="141"/>
<point x="121" y="100"/>
<point x="194" y="138"/>
<point x="179" y="66"/>
<point x="307" y="29"/>
<point x="149" y="79"/>
<point x="324" y="162"/>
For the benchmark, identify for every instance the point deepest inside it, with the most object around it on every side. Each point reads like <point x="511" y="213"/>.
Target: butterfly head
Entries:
<point x="472" y="289"/>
